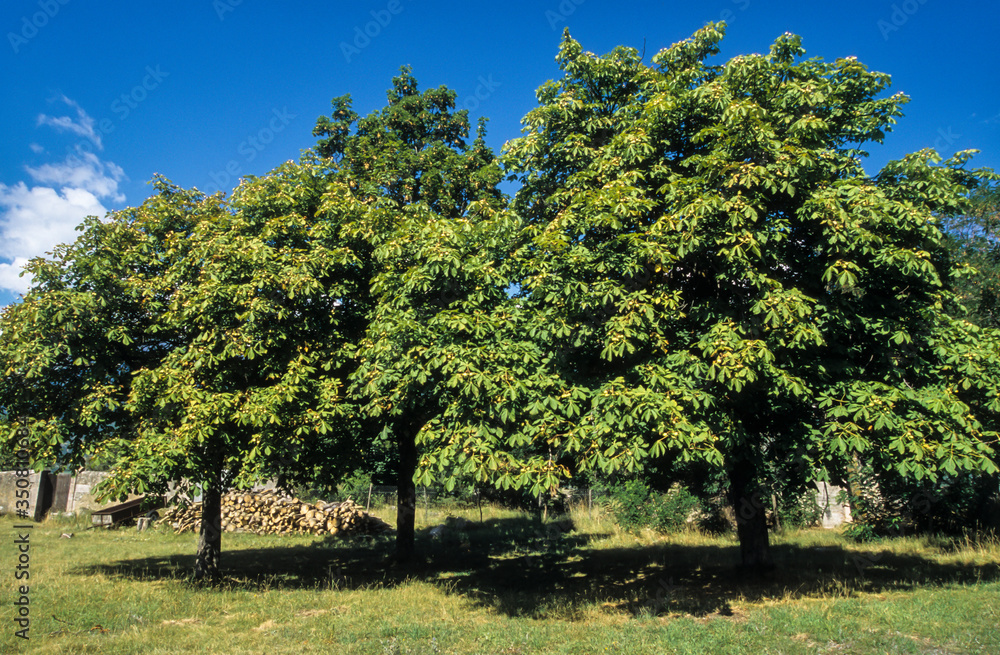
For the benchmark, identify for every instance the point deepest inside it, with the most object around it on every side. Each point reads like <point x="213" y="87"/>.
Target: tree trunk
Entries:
<point x="210" y="536"/>
<point x="751" y="517"/>
<point x="406" y="492"/>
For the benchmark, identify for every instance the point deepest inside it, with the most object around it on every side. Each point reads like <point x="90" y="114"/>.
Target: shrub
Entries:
<point x="860" y="532"/>
<point x="672" y="509"/>
<point x="714" y="516"/>
<point x="355" y="486"/>
<point x="888" y="505"/>
<point x="633" y="506"/>
<point x="629" y="505"/>
<point x="799" y="510"/>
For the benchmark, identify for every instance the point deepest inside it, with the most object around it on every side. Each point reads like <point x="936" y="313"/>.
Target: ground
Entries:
<point x="507" y="585"/>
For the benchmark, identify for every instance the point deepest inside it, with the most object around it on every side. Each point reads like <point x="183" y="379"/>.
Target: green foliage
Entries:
<point x="974" y="240"/>
<point x="673" y="508"/>
<point x="356" y="486"/>
<point x="711" y="275"/>
<point x="423" y="207"/>
<point x="799" y="510"/>
<point x="193" y="338"/>
<point x="885" y="505"/>
<point x="628" y="504"/>
<point x="70" y="350"/>
<point x="634" y="506"/>
<point x="697" y="271"/>
<point x="421" y="202"/>
<point x="255" y="390"/>
<point x="860" y="533"/>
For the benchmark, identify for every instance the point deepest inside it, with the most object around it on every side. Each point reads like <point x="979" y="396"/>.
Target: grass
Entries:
<point x="507" y="585"/>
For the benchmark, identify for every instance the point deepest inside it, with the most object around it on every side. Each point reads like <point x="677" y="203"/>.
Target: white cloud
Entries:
<point x="34" y="219"/>
<point x="9" y="273"/>
<point x="82" y="125"/>
<point x="83" y="171"/>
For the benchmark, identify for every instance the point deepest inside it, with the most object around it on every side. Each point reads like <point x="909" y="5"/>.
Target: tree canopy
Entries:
<point x="974" y="237"/>
<point x="696" y="268"/>
<point x="718" y="279"/>
<point x="425" y="205"/>
<point x="194" y="339"/>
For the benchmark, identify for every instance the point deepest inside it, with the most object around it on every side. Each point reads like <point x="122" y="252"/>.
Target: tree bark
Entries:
<point x="751" y="517"/>
<point x="406" y="492"/>
<point x="210" y="536"/>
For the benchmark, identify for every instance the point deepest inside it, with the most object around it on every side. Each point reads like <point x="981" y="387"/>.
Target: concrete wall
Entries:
<point x="834" y="513"/>
<point x="68" y="493"/>
<point x="82" y="493"/>
<point x="8" y="493"/>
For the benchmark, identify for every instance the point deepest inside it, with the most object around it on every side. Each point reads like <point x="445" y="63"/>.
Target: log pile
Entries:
<point x="270" y="512"/>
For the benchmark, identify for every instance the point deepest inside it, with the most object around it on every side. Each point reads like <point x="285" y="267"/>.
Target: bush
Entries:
<point x="714" y="516"/>
<point x="799" y="510"/>
<point x="888" y="505"/>
<point x="860" y="533"/>
<point x="672" y="509"/>
<point x="355" y="486"/>
<point x="633" y="506"/>
<point x="628" y="505"/>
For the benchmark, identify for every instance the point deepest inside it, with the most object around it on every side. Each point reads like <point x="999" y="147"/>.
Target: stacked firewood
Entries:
<point x="270" y="512"/>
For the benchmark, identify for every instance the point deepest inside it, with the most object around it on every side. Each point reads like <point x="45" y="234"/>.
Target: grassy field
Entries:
<point x="508" y="585"/>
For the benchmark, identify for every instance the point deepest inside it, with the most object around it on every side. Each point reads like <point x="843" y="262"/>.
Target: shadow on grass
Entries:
<point x="519" y="567"/>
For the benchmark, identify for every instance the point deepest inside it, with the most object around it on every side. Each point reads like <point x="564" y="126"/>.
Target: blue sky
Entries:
<point x="99" y="97"/>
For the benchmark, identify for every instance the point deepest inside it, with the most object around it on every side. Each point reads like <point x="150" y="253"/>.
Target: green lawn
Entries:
<point x="508" y="585"/>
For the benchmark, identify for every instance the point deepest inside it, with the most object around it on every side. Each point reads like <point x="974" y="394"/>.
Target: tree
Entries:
<point x="70" y="349"/>
<point x="256" y="315"/>
<point x="718" y="280"/>
<point x="232" y="361"/>
<point x="974" y="239"/>
<point x="273" y="302"/>
<point x="422" y="202"/>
